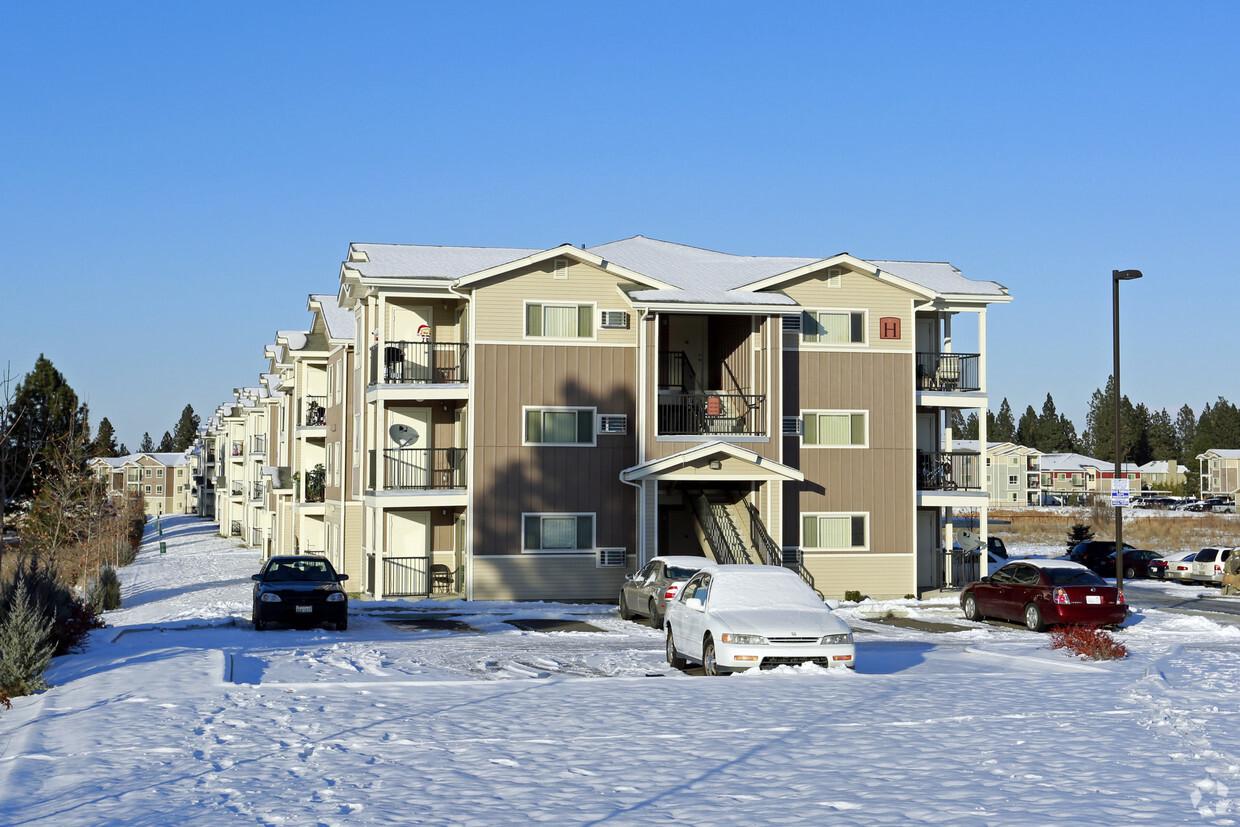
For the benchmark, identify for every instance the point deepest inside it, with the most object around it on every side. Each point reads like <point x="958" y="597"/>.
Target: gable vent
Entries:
<point x="561" y="268"/>
<point x="792" y="324"/>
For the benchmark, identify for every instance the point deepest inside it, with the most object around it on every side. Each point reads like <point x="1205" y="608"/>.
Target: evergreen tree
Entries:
<point x="26" y="646"/>
<point x="1162" y="437"/>
<point x="1056" y="433"/>
<point x="1140" y="423"/>
<point x="970" y="430"/>
<point x="166" y="444"/>
<point x="1185" y="432"/>
<point x="955" y="421"/>
<point x="186" y="430"/>
<point x="1027" y="430"/>
<point x="105" y="441"/>
<point x="1100" y="425"/>
<point x="123" y="451"/>
<point x="147" y="445"/>
<point x="1004" y="426"/>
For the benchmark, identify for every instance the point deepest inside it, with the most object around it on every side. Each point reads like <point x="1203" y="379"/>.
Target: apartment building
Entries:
<point x="163" y="479"/>
<point x="1220" y="472"/>
<point x="1013" y="472"/>
<point x="535" y="423"/>
<point x="1074" y="479"/>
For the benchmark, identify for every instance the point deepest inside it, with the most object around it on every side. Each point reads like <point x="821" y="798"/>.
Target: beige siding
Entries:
<point x="859" y="291"/>
<point x="548" y="577"/>
<point x="500" y="304"/>
<point x="877" y="577"/>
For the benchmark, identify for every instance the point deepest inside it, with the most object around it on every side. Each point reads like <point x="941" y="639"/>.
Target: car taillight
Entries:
<point x="671" y="591"/>
<point x="1061" y="596"/>
<point x="1218" y="569"/>
<point x="1119" y="598"/>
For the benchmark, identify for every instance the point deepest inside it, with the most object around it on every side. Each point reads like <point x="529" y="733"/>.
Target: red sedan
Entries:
<point x="1041" y="593"/>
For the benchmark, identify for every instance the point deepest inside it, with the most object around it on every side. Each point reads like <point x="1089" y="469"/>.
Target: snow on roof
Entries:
<point x="414" y="261"/>
<point x="340" y="323"/>
<point x="296" y="338"/>
<point x="1225" y="453"/>
<point x="1161" y="466"/>
<point x="1079" y="462"/>
<point x="940" y="277"/>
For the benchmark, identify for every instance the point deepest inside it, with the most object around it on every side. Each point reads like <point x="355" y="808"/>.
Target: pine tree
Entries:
<point x="1004" y="427"/>
<point x="1162" y="437"/>
<point x="148" y="445"/>
<point x="1027" y="430"/>
<point x="165" y="444"/>
<point x="26" y="647"/>
<point x="1140" y="423"/>
<point x="970" y="430"/>
<point x="123" y="451"/>
<point x="105" y="441"/>
<point x="1056" y="433"/>
<point x="1185" y="432"/>
<point x="186" y="430"/>
<point x="955" y="421"/>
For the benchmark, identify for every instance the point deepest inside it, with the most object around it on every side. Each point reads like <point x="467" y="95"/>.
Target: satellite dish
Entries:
<point x="402" y="434"/>
<point x="968" y="540"/>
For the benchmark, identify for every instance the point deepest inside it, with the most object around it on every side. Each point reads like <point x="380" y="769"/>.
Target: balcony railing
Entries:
<point x="949" y="471"/>
<point x="238" y="489"/>
<point x="234" y="529"/>
<point x="699" y="414"/>
<point x="258" y="444"/>
<point x="422" y="468"/>
<point x="948" y="372"/>
<point x="313" y="411"/>
<point x="676" y="372"/>
<point x="418" y="363"/>
<point x="406" y="576"/>
<point x="256" y="491"/>
<point x="256" y="536"/>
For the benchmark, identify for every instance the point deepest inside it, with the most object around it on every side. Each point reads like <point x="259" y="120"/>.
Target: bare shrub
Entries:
<point x="1088" y="642"/>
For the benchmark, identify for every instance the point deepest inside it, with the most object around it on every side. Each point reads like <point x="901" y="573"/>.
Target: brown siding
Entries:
<point x="530" y="577"/>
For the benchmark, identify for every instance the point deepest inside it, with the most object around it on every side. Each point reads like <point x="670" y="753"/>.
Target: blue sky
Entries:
<point x="178" y="177"/>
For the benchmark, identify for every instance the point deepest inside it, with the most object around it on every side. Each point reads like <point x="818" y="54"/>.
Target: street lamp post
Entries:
<point x="1116" y="277"/>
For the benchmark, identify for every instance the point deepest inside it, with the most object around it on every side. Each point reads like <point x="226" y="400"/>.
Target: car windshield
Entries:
<point x="680" y="572"/>
<point x="300" y="570"/>
<point x="1073" y="577"/>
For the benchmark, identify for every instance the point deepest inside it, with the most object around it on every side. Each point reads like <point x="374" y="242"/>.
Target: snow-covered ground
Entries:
<point x="180" y="713"/>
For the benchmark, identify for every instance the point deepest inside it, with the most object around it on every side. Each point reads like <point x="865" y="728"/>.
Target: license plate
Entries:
<point x="1093" y="598"/>
<point x="304" y="609"/>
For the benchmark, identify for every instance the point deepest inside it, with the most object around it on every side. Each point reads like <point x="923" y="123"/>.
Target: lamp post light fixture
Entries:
<point x="1116" y="277"/>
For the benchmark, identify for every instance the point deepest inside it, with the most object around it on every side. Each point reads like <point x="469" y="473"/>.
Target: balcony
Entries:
<point x="313" y="412"/>
<point x="703" y="414"/>
<point x="234" y="529"/>
<point x="948" y="372"/>
<point x="256" y="536"/>
<point x="949" y="471"/>
<point x="258" y="444"/>
<point x="420" y="469"/>
<point x="421" y="363"/>
<point x="238" y="489"/>
<point x="238" y="448"/>
<point x="256" y="491"/>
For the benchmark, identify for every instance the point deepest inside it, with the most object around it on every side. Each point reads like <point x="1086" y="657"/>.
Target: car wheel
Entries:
<point x="343" y="625"/>
<point x="625" y="614"/>
<point x="656" y="619"/>
<point x="709" y="663"/>
<point x="970" y="608"/>
<point x="1130" y="573"/>
<point x="1033" y="618"/>
<point x="259" y="623"/>
<point x="672" y="656"/>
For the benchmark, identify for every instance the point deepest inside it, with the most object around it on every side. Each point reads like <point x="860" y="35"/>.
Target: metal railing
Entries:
<point x="948" y="372"/>
<point x="256" y="491"/>
<point x="762" y="540"/>
<point x="418" y="362"/>
<point x="406" y="576"/>
<point x="423" y="468"/>
<point x="258" y="444"/>
<point x="722" y="537"/>
<point x="313" y="411"/>
<point x="949" y="471"/>
<point x="256" y="536"/>
<point x="699" y="414"/>
<point x="234" y="529"/>
<point x="238" y="489"/>
<point x="676" y="372"/>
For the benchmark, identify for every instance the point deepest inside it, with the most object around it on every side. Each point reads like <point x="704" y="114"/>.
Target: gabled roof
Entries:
<point x="340" y="323"/>
<point x="412" y="261"/>
<point x="1221" y="453"/>
<point x="1163" y="466"/>
<point x="693" y="462"/>
<point x="1079" y="462"/>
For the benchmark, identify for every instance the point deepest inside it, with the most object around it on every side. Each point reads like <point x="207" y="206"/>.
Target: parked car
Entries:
<point x="1136" y="563"/>
<point x="1208" y="565"/>
<point x="1212" y="504"/>
<point x="1092" y="553"/>
<point x="739" y="617"/>
<point x="300" y="590"/>
<point x="1161" y="567"/>
<point x="1182" y="569"/>
<point x="1043" y="593"/>
<point x="646" y="593"/>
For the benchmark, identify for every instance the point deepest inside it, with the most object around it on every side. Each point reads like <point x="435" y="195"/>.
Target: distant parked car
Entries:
<point x="1092" y="553"/>
<point x="1182" y="570"/>
<point x="739" y="617"/>
<point x="647" y="592"/>
<point x="1043" y="593"/>
<point x="1161" y="567"/>
<point x="1136" y="563"/>
<point x="1208" y="565"/>
<point x="299" y="590"/>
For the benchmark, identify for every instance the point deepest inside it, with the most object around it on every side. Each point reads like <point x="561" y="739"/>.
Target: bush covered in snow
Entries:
<point x="1088" y="642"/>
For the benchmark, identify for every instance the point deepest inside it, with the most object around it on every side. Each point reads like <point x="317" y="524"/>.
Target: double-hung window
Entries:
<point x="559" y="426"/>
<point x="835" y="532"/>
<point x="846" y="429"/>
<point x="559" y="321"/>
<point x="557" y="532"/>
<point x="833" y="327"/>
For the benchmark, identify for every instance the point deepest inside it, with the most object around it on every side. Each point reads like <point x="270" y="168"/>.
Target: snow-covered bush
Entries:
<point x="105" y="592"/>
<point x="1088" y="642"/>
<point x="26" y="645"/>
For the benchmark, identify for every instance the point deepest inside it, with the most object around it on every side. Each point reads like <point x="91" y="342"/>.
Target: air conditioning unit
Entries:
<point x="611" y="558"/>
<point x="613" y="424"/>
<point x="791" y="557"/>
<point x="614" y="319"/>
<point x="792" y="426"/>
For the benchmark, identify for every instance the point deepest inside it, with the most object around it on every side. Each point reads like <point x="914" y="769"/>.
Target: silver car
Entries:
<point x="1209" y="564"/>
<point x="648" y="592"/>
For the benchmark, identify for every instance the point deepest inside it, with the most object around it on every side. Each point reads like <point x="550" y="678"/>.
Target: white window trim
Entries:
<point x="865" y="329"/>
<point x="801" y="530"/>
<point x="594" y="325"/>
<point x="578" y="552"/>
<point x="817" y="411"/>
<point x="525" y="409"/>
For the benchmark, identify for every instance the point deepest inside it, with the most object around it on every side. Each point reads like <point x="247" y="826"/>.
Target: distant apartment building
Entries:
<point x="1220" y="472"/>
<point x="1072" y="479"/>
<point x="1013" y="472"/>
<point x="161" y="478"/>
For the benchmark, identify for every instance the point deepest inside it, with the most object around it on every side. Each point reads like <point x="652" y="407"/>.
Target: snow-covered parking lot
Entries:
<point x="448" y="714"/>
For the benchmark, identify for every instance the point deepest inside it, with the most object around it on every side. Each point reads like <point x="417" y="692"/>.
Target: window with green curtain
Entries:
<point x="833" y="531"/>
<point x="560" y="321"/>
<point x="559" y="427"/>
<point x="844" y="428"/>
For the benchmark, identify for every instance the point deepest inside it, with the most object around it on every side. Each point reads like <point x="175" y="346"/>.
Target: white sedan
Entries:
<point x="754" y="617"/>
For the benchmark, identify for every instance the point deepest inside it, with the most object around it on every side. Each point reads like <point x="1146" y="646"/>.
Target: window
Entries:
<point x="148" y="473"/>
<point x="1013" y="460"/>
<point x="835" y="532"/>
<point x="557" y="532"/>
<point x="180" y="473"/>
<point x="833" y="327"/>
<point x="559" y="426"/>
<point x="159" y="489"/>
<point x="146" y="489"/>
<point x="1013" y="479"/>
<point x="159" y="472"/>
<point x="835" y="428"/>
<point x="559" y="321"/>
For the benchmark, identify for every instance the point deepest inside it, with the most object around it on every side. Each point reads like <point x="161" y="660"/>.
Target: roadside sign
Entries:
<point x="163" y="547"/>
<point x="1120" y="494"/>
